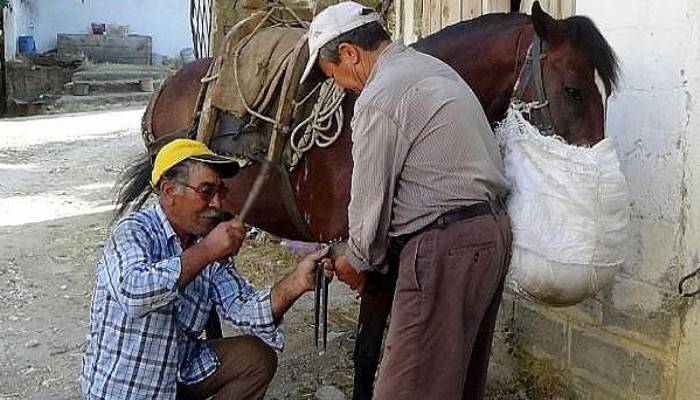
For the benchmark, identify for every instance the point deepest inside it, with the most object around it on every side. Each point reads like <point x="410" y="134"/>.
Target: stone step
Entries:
<point x="120" y="74"/>
<point x="83" y="88"/>
<point x="69" y="103"/>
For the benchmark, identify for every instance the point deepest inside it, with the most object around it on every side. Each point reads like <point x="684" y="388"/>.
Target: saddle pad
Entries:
<point x="259" y="61"/>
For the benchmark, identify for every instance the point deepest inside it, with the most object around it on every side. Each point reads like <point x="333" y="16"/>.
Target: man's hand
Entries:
<point x="224" y="240"/>
<point x="349" y="275"/>
<point x="306" y="270"/>
<point x="299" y="281"/>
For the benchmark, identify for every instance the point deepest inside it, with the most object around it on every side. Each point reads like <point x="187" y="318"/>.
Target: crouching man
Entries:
<point x="163" y="270"/>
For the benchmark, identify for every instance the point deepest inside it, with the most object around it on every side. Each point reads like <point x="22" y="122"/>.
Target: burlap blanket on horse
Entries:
<point x="260" y="62"/>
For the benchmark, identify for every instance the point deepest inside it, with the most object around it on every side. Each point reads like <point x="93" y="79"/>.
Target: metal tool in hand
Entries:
<point x="335" y="249"/>
<point x="321" y="307"/>
<point x="320" y="287"/>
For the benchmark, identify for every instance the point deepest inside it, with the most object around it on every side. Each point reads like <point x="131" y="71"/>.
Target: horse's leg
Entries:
<point x="375" y="307"/>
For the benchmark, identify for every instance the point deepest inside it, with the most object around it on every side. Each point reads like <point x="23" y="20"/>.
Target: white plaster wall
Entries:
<point x="655" y="120"/>
<point x="167" y="21"/>
<point x="689" y="351"/>
<point x="648" y="117"/>
<point x="17" y="17"/>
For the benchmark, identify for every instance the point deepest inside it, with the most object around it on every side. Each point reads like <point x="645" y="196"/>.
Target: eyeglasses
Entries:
<point x="206" y="192"/>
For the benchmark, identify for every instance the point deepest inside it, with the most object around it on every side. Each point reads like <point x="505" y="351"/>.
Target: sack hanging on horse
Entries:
<point x="569" y="210"/>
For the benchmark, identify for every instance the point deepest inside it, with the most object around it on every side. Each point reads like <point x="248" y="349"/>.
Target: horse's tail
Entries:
<point x="133" y="186"/>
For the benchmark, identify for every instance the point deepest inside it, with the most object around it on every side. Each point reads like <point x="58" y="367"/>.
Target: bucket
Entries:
<point x="26" y="44"/>
<point x="98" y="28"/>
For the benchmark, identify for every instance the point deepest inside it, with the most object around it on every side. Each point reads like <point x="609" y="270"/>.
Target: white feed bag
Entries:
<point x="569" y="210"/>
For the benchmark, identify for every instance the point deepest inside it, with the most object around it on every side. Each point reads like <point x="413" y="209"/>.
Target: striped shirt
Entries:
<point x="421" y="146"/>
<point x="145" y="333"/>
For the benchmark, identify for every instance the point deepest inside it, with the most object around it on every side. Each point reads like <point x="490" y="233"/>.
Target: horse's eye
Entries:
<point x="574" y="93"/>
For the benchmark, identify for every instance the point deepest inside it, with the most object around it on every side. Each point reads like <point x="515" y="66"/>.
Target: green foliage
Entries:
<point x="5" y="4"/>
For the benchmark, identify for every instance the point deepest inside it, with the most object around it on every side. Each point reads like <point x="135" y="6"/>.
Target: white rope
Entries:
<point x="328" y="108"/>
<point x="313" y="130"/>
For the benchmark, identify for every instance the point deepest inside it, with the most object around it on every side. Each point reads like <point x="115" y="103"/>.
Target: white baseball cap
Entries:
<point x="333" y="22"/>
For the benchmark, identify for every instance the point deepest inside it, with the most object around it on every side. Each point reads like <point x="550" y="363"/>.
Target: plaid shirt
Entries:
<point x="145" y="333"/>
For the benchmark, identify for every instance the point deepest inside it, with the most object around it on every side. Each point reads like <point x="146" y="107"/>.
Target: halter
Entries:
<point x="531" y="74"/>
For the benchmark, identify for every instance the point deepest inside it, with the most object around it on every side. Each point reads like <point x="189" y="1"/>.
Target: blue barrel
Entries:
<point x="26" y="44"/>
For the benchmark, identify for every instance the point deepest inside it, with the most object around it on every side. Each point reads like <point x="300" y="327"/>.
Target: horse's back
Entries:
<point x="173" y="107"/>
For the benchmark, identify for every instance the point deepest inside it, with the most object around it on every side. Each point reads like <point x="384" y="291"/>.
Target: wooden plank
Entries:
<point x="556" y="8"/>
<point x="471" y="9"/>
<point x="451" y="12"/>
<point x="397" y="20"/>
<point x="410" y="25"/>
<point x="435" y="15"/>
<point x="425" y="18"/>
<point x="495" y="6"/>
<point x="567" y="8"/>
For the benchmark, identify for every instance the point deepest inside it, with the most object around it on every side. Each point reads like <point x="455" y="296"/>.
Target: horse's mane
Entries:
<point x="585" y="35"/>
<point x="580" y="30"/>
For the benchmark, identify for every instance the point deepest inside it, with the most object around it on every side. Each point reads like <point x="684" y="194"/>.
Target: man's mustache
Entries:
<point x="217" y="216"/>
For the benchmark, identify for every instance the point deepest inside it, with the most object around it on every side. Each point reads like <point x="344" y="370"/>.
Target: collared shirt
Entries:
<point x="421" y="146"/>
<point x="145" y="334"/>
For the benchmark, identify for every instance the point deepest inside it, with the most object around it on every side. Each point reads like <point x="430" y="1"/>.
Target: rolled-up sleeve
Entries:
<point x="375" y="135"/>
<point x="139" y="284"/>
<point x="248" y="309"/>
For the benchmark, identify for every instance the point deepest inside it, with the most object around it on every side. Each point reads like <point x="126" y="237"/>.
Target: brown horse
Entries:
<point x="578" y="73"/>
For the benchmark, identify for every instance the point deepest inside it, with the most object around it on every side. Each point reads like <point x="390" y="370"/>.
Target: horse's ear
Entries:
<point x="548" y="28"/>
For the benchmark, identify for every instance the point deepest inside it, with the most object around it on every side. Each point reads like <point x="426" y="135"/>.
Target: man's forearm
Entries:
<point x="284" y="294"/>
<point x="194" y="260"/>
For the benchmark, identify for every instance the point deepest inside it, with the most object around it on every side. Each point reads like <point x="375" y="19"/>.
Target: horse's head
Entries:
<point x="579" y="72"/>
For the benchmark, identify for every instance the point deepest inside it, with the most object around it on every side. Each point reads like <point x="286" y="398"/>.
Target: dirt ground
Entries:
<point x="56" y="179"/>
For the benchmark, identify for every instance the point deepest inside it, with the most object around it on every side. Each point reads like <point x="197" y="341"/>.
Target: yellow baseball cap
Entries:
<point x="182" y="149"/>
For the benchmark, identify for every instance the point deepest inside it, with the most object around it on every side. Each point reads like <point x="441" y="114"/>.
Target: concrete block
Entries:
<point x="640" y="311"/>
<point x="538" y="334"/>
<point x="601" y="358"/>
<point x="79" y="89"/>
<point x="584" y="389"/>
<point x="146" y="85"/>
<point x="648" y="378"/>
<point x="133" y="49"/>
<point x="588" y="311"/>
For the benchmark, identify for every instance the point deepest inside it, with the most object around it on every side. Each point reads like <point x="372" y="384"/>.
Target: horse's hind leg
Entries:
<point x="375" y="307"/>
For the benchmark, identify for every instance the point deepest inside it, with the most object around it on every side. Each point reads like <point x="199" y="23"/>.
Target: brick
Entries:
<point x="538" y="334"/>
<point x="601" y="358"/>
<point x="648" y="376"/>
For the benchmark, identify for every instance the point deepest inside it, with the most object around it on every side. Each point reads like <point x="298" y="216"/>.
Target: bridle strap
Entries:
<point x="531" y="73"/>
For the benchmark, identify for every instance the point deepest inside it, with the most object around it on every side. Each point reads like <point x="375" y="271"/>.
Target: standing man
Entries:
<point x="427" y="195"/>
<point x="163" y="270"/>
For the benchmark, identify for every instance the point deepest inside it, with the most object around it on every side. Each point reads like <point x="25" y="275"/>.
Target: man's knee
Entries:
<point x="268" y="360"/>
<point x="261" y="357"/>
